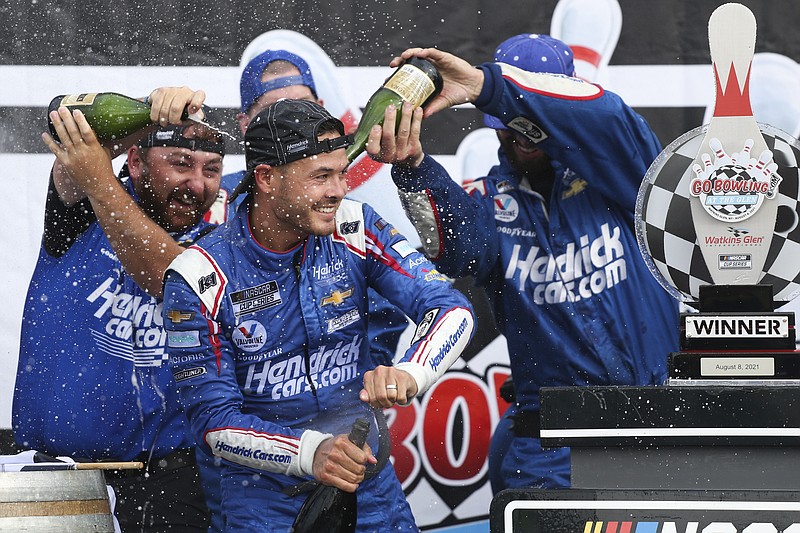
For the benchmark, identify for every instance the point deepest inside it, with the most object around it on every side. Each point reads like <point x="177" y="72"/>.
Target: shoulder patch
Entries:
<point x="350" y="227"/>
<point x="477" y="186"/>
<point x="203" y="275"/>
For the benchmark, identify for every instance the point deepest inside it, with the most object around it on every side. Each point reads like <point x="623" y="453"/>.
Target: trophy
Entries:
<point x="717" y="224"/>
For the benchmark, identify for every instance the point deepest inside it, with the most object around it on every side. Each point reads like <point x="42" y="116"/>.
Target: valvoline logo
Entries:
<point x="249" y="336"/>
<point x="506" y="208"/>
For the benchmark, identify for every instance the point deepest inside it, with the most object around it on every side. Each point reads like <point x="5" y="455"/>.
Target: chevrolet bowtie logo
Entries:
<point x="337" y="297"/>
<point x="179" y="316"/>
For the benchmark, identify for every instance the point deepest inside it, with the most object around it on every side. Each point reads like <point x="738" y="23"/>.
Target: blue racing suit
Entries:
<point x="269" y="349"/>
<point x="567" y="284"/>
<point x="386" y="325"/>
<point x="92" y="380"/>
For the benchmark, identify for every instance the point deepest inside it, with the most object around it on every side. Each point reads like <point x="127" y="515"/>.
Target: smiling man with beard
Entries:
<point x="92" y="379"/>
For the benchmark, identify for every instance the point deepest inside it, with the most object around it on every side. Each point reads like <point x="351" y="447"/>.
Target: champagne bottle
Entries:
<point x="111" y="115"/>
<point x="416" y="81"/>
<point x="330" y="509"/>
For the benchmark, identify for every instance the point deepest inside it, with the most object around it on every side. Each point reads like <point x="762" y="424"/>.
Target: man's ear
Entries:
<point x="243" y="121"/>
<point x="263" y="176"/>
<point x="135" y="163"/>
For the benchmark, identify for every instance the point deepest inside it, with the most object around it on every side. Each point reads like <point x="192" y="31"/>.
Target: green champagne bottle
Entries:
<point x="416" y="81"/>
<point x="111" y="115"/>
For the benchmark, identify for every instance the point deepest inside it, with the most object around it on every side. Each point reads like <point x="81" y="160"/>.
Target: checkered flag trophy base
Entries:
<point x="716" y="220"/>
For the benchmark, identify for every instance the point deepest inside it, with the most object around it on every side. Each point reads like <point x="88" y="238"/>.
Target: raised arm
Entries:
<point x="83" y="170"/>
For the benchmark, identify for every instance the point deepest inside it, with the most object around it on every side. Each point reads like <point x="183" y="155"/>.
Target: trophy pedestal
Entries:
<point x="735" y="338"/>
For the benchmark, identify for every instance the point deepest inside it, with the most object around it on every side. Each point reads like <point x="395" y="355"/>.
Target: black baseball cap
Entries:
<point x="287" y="131"/>
<point x="202" y="138"/>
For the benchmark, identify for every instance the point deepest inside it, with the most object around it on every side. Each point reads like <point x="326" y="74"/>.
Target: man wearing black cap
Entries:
<point x="92" y="379"/>
<point x="271" y="348"/>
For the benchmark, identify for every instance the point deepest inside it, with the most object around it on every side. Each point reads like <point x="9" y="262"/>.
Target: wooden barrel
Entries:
<point x="55" y="501"/>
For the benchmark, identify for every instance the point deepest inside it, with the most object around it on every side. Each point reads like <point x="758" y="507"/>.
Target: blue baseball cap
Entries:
<point x="533" y="52"/>
<point x="251" y="86"/>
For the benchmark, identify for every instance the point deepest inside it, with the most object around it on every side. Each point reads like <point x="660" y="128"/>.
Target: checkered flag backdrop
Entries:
<point x="665" y="229"/>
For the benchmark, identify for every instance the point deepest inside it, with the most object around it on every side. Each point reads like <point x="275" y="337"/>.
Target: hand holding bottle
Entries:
<point x="400" y="148"/>
<point x="340" y="463"/>
<point x="462" y="81"/>
<point x="332" y="506"/>
<point x="169" y="105"/>
<point x="83" y="166"/>
<point x="113" y="116"/>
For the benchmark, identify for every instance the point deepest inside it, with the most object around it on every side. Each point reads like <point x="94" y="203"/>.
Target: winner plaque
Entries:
<point x="717" y="224"/>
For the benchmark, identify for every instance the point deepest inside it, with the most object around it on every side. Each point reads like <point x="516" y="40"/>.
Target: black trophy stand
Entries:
<point x="736" y="337"/>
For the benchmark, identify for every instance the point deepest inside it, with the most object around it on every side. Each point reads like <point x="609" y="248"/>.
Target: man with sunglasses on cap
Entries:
<point x="271" y="354"/>
<point x="550" y="232"/>
<point x="93" y="382"/>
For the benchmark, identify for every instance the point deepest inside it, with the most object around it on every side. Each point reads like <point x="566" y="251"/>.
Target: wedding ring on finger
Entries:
<point x="391" y="387"/>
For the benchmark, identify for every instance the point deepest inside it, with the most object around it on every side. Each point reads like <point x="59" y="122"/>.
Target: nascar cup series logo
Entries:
<point x="732" y="188"/>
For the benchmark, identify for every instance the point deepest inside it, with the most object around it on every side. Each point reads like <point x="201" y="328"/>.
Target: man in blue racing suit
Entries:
<point x="549" y="232"/>
<point x="267" y="324"/>
<point x="268" y="77"/>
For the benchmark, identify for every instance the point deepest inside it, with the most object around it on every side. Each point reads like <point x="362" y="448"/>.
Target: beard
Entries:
<point x="161" y="209"/>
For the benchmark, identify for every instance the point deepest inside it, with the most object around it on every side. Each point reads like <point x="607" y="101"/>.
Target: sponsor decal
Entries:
<point x="403" y="248"/>
<point x="108" y="253"/>
<point x="176" y="317"/>
<point x="286" y="377"/>
<point x="425" y="324"/>
<point x="337" y="297"/>
<point x="255" y="299"/>
<point x="183" y="339"/>
<point x="734" y="187"/>
<point x="297" y="146"/>
<point x="206" y="282"/>
<point x="575" y="186"/>
<point x="380" y="223"/>
<point x="448" y="345"/>
<point x="516" y="232"/>
<point x="417" y="261"/>
<point x="504" y="186"/>
<point x="249" y="336"/>
<point x="348" y="228"/>
<point x="585" y="269"/>
<point x="434" y="275"/>
<point x="735" y="261"/>
<point x="726" y="240"/>
<point x="713" y="512"/>
<point x="133" y="324"/>
<point x="330" y="273"/>
<point x="478" y="186"/>
<point x="183" y="375"/>
<point x="506" y="208"/>
<point x="350" y="317"/>
<point x="180" y="359"/>
<point x="528" y="129"/>
<point x="252" y="453"/>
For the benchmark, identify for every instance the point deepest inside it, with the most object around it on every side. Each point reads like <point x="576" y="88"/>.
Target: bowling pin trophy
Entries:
<point x="716" y="220"/>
